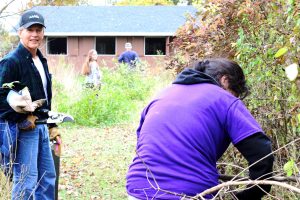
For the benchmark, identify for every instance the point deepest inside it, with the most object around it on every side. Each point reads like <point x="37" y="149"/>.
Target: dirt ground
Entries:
<point x="94" y="162"/>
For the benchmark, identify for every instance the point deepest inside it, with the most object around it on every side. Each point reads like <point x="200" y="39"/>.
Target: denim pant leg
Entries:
<point x="46" y="169"/>
<point x="30" y="176"/>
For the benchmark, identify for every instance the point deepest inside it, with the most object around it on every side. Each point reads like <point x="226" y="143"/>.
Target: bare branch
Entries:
<point x="1" y="11"/>
<point x="275" y="180"/>
<point x="157" y="187"/>
<point x="252" y="182"/>
<point x="11" y="14"/>
<point x="224" y="177"/>
<point x="294" y="141"/>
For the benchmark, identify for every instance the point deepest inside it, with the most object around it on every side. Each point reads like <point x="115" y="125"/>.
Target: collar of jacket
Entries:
<point x="23" y="51"/>
<point x="191" y="76"/>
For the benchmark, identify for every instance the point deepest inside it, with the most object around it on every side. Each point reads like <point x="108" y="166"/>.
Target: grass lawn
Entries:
<point x="94" y="162"/>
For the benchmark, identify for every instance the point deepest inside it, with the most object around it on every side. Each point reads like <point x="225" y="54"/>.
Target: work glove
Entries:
<point x="55" y="138"/>
<point x="21" y="101"/>
<point x="28" y="124"/>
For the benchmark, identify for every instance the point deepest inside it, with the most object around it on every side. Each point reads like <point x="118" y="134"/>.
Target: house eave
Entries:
<point x="65" y="34"/>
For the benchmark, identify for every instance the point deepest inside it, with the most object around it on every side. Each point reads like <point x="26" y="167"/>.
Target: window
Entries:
<point x="57" y="45"/>
<point x="106" y="45"/>
<point x="155" y="46"/>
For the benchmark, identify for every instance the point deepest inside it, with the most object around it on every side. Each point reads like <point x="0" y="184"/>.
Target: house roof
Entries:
<point x="113" y="20"/>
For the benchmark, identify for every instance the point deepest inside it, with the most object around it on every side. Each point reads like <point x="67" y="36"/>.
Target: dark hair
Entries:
<point x="218" y="67"/>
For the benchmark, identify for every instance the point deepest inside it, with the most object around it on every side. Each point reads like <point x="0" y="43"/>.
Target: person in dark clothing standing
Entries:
<point x="33" y="167"/>
<point x="187" y="128"/>
<point x="129" y="56"/>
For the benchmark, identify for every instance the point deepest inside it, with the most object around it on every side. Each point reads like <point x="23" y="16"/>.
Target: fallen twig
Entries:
<point x="251" y="182"/>
<point x="224" y="177"/>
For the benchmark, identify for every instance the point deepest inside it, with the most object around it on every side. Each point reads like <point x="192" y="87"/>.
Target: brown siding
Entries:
<point x="73" y="47"/>
<point x="86" y="44"/>
<point x="73" y="51"/>
<point x="78" y="48"/>
<point x="167" y="46"/>
<point x="137" y="45"/>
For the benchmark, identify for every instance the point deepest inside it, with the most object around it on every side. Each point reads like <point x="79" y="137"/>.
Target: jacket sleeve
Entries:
<point x="136" y="57"/>
<point x="120" y="59"/>
<point x="254" y="148"/>
<point x="8" y="74"/>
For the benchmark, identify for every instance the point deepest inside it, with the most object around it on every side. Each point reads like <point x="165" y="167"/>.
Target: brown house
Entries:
<point x="71" y="31"/>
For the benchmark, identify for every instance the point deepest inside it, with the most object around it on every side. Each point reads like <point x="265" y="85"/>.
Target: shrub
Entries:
<point x="263" y="37"/>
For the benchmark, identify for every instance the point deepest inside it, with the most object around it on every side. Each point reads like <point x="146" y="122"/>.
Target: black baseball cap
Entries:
<point x="30" y="18"/>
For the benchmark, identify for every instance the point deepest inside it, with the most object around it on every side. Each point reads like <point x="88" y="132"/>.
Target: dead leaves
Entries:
<point x="94" y="166"/>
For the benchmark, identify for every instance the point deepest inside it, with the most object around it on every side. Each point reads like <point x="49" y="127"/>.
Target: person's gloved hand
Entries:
<point x="57" y="146"/>
<point x="21" y="101"/>
<point x="54" y="136"/>
<point x="28" y="124"/>
<point x="53" y="133"/>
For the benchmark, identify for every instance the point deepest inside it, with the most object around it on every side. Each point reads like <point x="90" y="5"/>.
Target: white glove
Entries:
<point x="21" y="101"/>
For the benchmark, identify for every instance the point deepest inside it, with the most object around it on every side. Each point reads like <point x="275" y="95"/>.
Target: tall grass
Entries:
<point x="5" y="187"/>
<point x="66" y="85"/>
<point x="120" y="99"/>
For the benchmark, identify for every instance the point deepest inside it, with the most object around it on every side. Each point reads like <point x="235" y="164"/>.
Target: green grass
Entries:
<point x="122" y="94"/>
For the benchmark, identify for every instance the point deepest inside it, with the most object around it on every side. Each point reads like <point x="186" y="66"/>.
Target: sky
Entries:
<point x="11" y="15"/>
<point x="10" y="18"/>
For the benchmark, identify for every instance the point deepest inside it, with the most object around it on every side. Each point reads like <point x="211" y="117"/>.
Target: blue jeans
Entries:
<point x="33" y="168"/>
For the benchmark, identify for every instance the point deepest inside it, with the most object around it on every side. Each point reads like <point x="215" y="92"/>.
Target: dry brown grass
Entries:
<point x="5" y="187"/>
<point x="95" y="161"/>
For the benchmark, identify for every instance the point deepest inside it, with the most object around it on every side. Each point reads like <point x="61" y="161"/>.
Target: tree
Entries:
<point x="144" y="2"/>
<point x="32" y="3"/>
<point x="7" y="42"/>
<point x="263" y="37"/>
<point x="7" y="11"/>
<point x="5" y="6"/>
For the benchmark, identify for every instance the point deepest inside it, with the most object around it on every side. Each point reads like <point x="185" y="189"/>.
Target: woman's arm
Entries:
<point x="253" y="148"/>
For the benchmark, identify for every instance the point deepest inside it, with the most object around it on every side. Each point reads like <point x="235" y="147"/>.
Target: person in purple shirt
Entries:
<point x="187" y="128"/>
<point x="129" y="56"/>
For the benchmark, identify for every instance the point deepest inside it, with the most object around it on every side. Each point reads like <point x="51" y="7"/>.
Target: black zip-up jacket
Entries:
<point x="18" y="66"/>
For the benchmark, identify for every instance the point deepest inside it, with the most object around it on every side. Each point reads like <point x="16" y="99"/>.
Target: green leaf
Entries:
<point x="298" y="22"/>
<point x="281" y="52"/>
<point x="289" y="167"/>
<point x="298" y="117"/>
<point x="9" y="85"/>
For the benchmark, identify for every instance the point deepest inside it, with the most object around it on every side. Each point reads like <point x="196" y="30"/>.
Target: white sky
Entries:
<point x="11" y="16"/>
